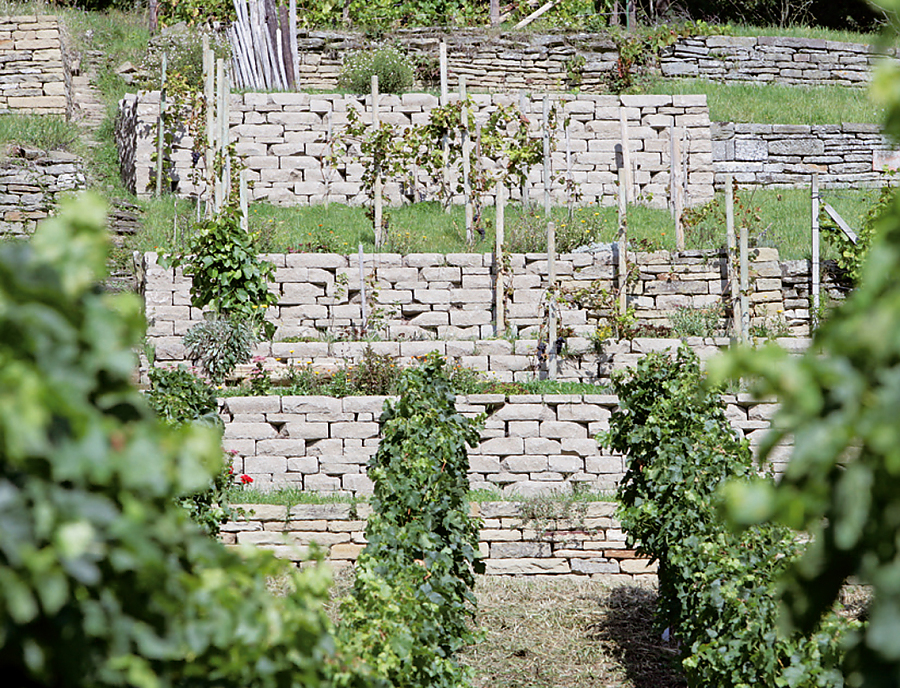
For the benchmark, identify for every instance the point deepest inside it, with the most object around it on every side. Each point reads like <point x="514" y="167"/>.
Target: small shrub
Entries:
<point x="219" y="344"/>
<point x="178" y="396"/>
<point x="393" y="68"/>
<point x="375" y="374"/>
<point x="226" y="273"/>
<point x="527" y="232"/>
<point x="696" y="322"/>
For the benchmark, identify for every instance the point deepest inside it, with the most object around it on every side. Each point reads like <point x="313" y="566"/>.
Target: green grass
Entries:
<point x="800" y="32"/>
<point x="777" y="217"/>
<point x="776" y="103"/>
<point x="291" y="496"/>
<point x="47" y="132"/>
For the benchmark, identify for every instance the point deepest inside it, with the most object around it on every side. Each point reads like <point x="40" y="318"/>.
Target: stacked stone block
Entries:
<point x="283" y="141"/>
<point x="589" y="543"/>
<point x="786" y="155"/>
<point x="530" y="444"/>
<point x="450" y="297"/>
<point x="770" y="59"/>
<point x="33" y="71"/>
<point x="29" y="188"/>
<point x="490" y="61"/>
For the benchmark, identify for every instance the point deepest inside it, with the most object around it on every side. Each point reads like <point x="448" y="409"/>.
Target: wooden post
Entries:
<point x="161" y="127"/>
<point x="499" y="288"/>
<point x="209" y="89"/>
<point x="329" y="135"/>
<point x="295" y="56"/>
<point x="815" y="267"/>
<point x="153" y="16"/>
<point x="226" y="133"/>
<point x="376" y="191"/>
<point x="546" y="137"/>
<point x="552" y="336"/>
<point x="362" y="287"/>
<point x="626" y="155"/>
<point x="466" y="142"/>
<point x="732" y="257"/>
<point x="622" y="243"/>
<point x="220" y="116"/>
<point x="523" y="191"/>
<point x="745" y="286"/>
<point x="495" y="12"/>
<point x="676" y="185"/>
<point x="445" y="142"/>
<point x="245" y="206"/>
<point x="570" y="182"/>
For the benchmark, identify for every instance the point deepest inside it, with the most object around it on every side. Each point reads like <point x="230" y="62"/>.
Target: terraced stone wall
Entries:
<point x="34" y="74"/>
<point x="786" y="155"/>
<point x="556" y="62"/>
<point x="770" y="59"/>
<point x="283" y="139"/>
<point x="451" y="297"/>
<point x="530" y="444"/>
<point x="30" y="186"/>
<point x="585" y="540"/>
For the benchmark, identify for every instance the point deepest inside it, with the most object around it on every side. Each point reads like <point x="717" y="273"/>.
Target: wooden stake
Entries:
<point x="499" y="287"/>
<point x="553" y="334"/>
<point x="466" y="152"/>
<point x="295" y="56"/>
<point x="546" y="178"/>
<point x="362" y="287"/>
<point x="732" y="257"/>
<point x="622" y="244"/>
<point x="523" y="191"/>
<point x="376" y="192"/>
<point x="816" y="267"/>
<point x="445" y="142"/>
<point x="495" y="12"/>
<point x="570" y="184"/>
<point x="745" y="285"/>
<point x="209" y="98"/>
<point x="677" y="186"/>
<point x="161" y="126"/>
<point x="626" y="155"/>
<point x="245" y="206"/>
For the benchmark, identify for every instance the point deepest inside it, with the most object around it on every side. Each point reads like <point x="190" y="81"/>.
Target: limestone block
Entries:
<point x="501" y="567"/>
<point x="562" y="429"/>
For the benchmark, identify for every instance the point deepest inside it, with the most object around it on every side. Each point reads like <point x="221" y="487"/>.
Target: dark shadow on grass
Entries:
<point x="627" y="630"/>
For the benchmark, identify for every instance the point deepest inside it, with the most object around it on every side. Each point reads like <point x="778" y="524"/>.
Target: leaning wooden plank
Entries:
<point x="534" y="15"/>
<point x="295" y="55"/>
<point x="259" y="43"/>
<point x="833" y="214"/>
<point x="283" y="33"/>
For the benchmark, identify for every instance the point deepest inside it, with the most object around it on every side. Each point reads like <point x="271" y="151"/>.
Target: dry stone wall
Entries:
<point x="490" y="61"/>
<point x="770" y="59"/>
<point x="536" y="62"/>
<point x="451" y="297"/>
<point x="283" y="139"/>
<point x="786" y="155"/>
<point x="586" y="540"/>
<point x="530" y="444"/>
<point x="34" y="75"/>
<point x="30" y="187"/>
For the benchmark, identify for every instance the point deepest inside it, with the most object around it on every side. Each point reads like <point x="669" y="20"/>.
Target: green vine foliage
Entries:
<point x="226" y="273"/>
<point x="104" y="581"/>
<point x="412" y="603"/>
<point x="851" y="257"/>
<point x="178" y="396"/>
<point x="840" y="401"/>
<point x="717" y="590"/>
